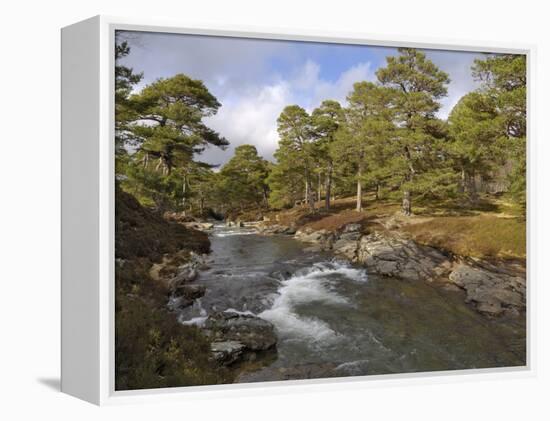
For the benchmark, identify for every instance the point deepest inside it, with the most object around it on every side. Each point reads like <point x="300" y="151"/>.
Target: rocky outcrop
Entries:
<point x="187" y="272"/>
<point x="184" y="295"/>
<point x="391" y="256"/>
<point x="238" y="336"/>
<point x="275" y="229"/>
<point x="491" y="290"/>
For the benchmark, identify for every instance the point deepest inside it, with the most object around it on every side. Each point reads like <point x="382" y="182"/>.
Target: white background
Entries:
<point x="29" y="207"/>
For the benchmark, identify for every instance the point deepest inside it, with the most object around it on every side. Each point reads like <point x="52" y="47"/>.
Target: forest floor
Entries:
<point x="492" y="229"/>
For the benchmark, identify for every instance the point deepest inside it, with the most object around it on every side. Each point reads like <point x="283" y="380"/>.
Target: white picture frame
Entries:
<point x="88" y="213"/>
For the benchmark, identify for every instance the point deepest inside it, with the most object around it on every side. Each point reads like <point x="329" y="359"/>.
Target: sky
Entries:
<point x="255" y="79"/>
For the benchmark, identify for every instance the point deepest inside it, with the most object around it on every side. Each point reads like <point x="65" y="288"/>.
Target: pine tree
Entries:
<point x="295" y="155"/>
<point x="476" y="130"/>
<point x="367" y="136"/>
<point x="125" y="80"/>
<point x="504" y="79"/>
<point x="168" y="131"/>
<point x="326" y="119"/>
<point x="243" y="178"/>
<point x="419" y="86"/>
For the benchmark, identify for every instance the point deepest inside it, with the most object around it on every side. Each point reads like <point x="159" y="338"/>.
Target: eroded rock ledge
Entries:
<point x="492" y="290"/>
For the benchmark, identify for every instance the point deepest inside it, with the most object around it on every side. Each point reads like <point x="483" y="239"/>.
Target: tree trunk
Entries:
<point x="359" y="206"/>
<point x="472" y="188"/>
<point x="306" y="196"/>
<point x="184" y="191"/>
<point x="377" y="191"/>
<point x="319" y="187"/>
<point x="462" y="188"/>
<point x="328" y="185"/>
<point x="310" y="198"/>
<point x="406" y="205"/>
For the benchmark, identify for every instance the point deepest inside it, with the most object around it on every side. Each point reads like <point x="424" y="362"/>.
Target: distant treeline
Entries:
<point x="387" y="140"/>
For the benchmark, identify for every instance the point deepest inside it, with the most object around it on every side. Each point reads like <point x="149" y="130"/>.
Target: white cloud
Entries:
<point x="251" y="118"/>
<point x="458" y="65"/>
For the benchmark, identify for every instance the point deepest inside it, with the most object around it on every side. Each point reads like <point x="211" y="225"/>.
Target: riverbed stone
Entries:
<point x="254" y="333"/>
<point x="227" y="352"/>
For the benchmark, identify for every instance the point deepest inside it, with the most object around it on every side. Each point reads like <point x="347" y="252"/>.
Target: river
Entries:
<point x="334" y="319"/>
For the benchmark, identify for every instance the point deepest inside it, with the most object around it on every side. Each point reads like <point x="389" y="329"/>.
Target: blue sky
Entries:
<point x="255" y="79"/>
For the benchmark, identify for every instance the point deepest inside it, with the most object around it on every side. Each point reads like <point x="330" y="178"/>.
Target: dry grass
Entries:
<point x="489" y="236"/>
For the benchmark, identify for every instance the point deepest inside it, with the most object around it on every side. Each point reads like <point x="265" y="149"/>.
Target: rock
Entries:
<point x="351" y="236"/>
<point x="275" y="229"/>
<point x="349" y="228"/>
<point x="254" y="333"/>
<point x="392" y="256"/>
<point x="191" y="292"/>
<point x="346" y="248"/>
<point x="281" y="275"/>
<point x="201" y="226"/>
<point x="388" y="268"/>
<point x="490" y="292"/>
<point x="322" y="238"/>
<point x="186" y="273"/>
<point x="227" y="352"/>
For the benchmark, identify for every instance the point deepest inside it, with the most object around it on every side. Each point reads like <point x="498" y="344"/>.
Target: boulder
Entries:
<point x="254" y="333"/>
<point x="227" y="352"/>
<point x="191" y="292"/>
<point x="186" y="273"/>
<point x="489" y="291"/>
<point x="393" y="256"/>
<point x="346" y="248"/>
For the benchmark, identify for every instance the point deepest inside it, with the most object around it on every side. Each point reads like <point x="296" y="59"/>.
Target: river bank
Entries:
<point x="494" y="288"/>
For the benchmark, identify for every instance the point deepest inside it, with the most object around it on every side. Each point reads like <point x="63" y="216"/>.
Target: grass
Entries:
<point x="484" y="236"/>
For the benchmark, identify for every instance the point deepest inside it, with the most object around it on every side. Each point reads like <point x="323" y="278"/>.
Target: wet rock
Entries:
<point x="190" y="292"/>
<point x="186" y="273"/>
<point x="227" y="352"/>
<point x="281" y="275"/>
<point x="254" y="333"/>
<point x="201" y="226"/>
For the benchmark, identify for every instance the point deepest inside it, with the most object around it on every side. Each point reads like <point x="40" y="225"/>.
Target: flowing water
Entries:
<point x="334" y="319"/>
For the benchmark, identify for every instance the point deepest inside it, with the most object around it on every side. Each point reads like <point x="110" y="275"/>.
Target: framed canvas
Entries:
<point x="243" y="210"/>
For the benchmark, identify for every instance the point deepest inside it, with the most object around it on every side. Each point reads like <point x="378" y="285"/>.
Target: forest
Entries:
<point x="387" y="141"/>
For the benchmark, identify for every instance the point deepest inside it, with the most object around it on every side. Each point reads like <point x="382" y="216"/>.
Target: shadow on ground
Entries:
<point x="53" y="383"/>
